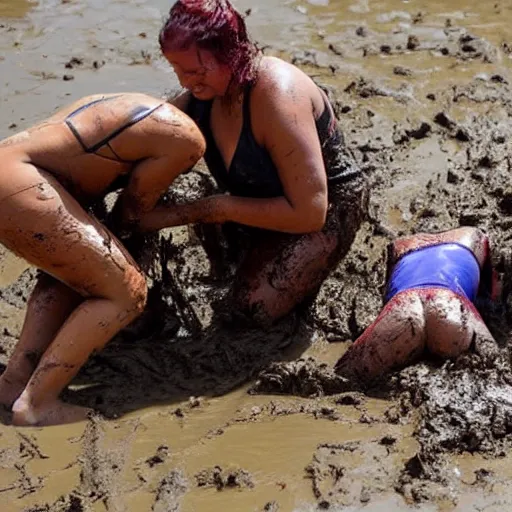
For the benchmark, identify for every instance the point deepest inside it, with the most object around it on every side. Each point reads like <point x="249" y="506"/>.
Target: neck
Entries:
<point x="233" y="96"/>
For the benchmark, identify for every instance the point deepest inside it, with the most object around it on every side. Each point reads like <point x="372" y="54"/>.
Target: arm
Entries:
<point x="292" y="141"/>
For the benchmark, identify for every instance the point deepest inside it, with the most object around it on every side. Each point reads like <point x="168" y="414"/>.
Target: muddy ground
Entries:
<point x="201" y="413"/>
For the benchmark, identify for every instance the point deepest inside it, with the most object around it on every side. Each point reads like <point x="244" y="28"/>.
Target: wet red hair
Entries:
<point x="216" y="26"/>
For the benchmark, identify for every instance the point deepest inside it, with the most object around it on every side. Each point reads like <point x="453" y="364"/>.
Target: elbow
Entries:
<point x="314" y="219"/>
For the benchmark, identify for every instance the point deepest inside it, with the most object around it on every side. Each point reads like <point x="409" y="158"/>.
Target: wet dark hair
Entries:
<point x="216" y="26"/>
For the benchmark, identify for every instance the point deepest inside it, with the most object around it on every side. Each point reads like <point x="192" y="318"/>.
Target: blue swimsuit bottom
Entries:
<point x="446" y="265"/>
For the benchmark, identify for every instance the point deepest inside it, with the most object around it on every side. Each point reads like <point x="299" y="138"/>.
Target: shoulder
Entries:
<point x="281" y="83"/>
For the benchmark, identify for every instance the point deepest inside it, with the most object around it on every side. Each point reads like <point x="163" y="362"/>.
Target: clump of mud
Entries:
<point x="462" y="405"/>
<point x="69" y="503"/>
<point x="224" y="478"/>
<point x="347" y="473"/>
<point x="304" y="377"/>
<point x="169" y="491"/>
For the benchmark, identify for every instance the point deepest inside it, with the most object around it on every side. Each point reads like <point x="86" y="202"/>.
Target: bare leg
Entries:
<point x="59" y="364"/>
<point x="49" y="305"/>
<point x="394" y="339"/>
<point x="46" y="226"/>
<point x="280" y="272"/>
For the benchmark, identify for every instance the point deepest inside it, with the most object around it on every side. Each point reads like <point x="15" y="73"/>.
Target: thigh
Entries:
<point x="395" y="338"/>
<point x="45" y="225"/>
<point x="301" y="262"/>
<point x="280" y="271"/>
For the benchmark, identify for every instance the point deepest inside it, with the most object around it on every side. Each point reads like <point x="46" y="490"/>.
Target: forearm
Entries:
<point x="204" y="210"/>
<point x="273" y="213"/>
<point x="276" y="214"/>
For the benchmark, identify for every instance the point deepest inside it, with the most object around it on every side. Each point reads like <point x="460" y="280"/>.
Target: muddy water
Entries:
<point x="15" y="9"/>
<point x="391" y="65"/>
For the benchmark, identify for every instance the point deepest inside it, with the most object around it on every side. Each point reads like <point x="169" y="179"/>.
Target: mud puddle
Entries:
<point x="422" y="90"/>
<point x="15" y="8"/>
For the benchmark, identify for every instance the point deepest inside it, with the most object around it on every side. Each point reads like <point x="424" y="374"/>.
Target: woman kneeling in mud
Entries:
<point x="90" y="287"/>
<point x="429" y="304"/>
<point x="273" y="143"/>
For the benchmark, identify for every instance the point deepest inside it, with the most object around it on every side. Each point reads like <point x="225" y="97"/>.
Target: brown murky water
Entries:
<point x="241" y="452"/>
<point x="15" y="9"/>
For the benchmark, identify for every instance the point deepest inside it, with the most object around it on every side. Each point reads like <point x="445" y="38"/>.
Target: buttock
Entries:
<point x="447" y="314"/>
<point x="436" y="294"/>
<point x="450" y="321"/>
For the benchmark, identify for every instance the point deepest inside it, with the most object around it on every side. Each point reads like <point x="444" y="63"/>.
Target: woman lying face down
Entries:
<point x="433" y="282"/>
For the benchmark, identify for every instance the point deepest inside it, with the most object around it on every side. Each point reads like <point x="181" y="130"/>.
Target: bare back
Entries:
<point x="90" y="143"/>
<point x="470" y="237"/>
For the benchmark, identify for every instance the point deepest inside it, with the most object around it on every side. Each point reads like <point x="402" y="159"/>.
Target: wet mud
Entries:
<point x="200" y="412"/>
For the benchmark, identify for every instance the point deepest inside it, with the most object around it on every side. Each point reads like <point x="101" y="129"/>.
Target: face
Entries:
<point x="199" y="72"/>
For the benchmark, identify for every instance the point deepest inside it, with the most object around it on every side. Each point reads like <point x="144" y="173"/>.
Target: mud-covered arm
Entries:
<point x="292" y="141"/>
<point x="152" y="177"/>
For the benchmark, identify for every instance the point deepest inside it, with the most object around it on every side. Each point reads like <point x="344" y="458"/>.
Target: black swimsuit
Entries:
<point x="252" y="172"/>
<point x="138" y="113"/>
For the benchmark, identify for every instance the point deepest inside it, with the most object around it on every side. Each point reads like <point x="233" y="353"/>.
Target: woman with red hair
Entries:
<point x="274" y="145"/>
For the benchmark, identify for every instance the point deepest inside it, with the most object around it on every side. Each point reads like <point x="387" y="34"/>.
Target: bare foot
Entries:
<point x="10" y="391"/>
<point x="55" y="412"/>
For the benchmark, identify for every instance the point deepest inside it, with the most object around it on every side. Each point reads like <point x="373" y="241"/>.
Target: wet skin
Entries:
<point x="434" y="319"/>
<point x="90" y="287"/>
<point x="300" y="250"/>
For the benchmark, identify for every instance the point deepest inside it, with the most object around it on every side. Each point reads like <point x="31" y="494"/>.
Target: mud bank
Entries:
<point x="461" y="406"/>
<point x="423" y="96"/>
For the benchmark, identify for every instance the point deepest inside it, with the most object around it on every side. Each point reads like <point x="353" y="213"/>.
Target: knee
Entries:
<point x="135" y="295"/>
<point x="253" y="307"/>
